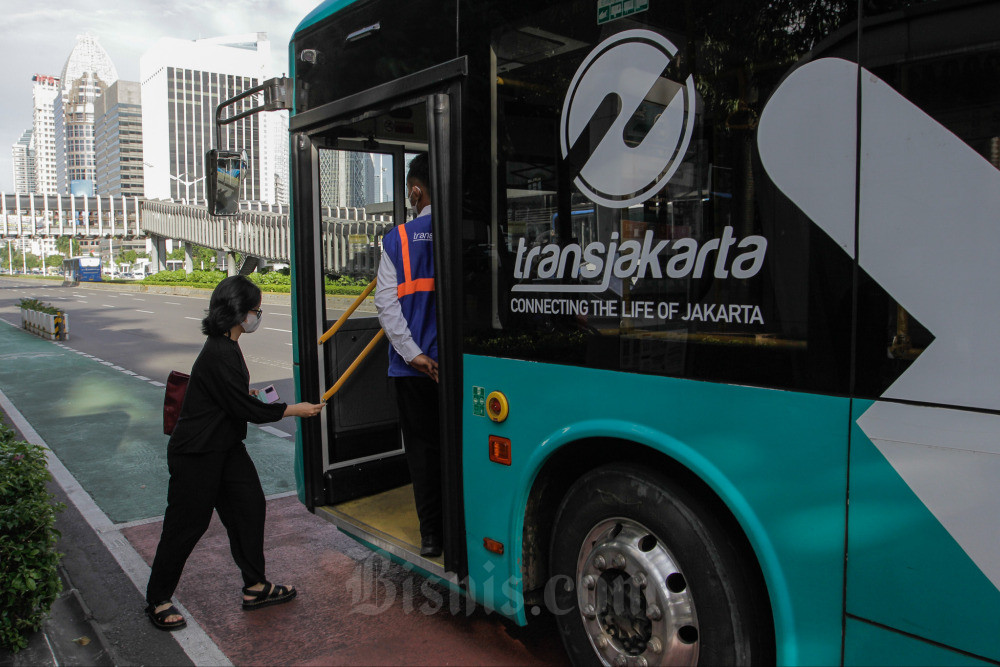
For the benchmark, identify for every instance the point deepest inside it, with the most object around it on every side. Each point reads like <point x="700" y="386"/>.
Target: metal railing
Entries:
<point x="351" y="240"/>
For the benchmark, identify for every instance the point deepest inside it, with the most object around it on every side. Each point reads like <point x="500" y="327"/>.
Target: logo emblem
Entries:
<point x="622" y="168"/>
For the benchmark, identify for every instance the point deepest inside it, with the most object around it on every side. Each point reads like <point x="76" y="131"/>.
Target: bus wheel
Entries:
<point x="643" y="574"/>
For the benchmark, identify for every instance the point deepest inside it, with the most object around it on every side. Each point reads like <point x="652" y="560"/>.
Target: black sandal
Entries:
<point x="159" y="618"/>
<point x="267" y="596"/>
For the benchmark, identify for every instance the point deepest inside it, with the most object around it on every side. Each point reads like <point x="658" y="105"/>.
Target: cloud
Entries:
<point x="38" y="38"/>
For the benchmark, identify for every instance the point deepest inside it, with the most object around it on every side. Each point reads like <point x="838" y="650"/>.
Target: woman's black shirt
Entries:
<point x="218" y="404"/>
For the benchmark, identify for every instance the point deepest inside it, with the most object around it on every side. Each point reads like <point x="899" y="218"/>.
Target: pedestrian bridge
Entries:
<point x="350" y="236"/>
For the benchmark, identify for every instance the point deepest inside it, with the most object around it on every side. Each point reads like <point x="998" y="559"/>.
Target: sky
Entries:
<point x="37" y="38"/>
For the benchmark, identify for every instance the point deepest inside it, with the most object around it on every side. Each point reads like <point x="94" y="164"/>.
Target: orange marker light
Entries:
<point x="493" y="546"/>
<point x="500" y="450"/>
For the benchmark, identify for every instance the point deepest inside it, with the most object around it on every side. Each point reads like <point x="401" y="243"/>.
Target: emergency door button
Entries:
<point x="497" y="407"/>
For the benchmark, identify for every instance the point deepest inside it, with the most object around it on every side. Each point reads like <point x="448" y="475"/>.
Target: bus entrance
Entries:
<point x="350" y="164"/>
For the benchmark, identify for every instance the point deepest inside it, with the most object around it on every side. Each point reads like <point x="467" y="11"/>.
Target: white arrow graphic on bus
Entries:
<point x="929" y="235"/>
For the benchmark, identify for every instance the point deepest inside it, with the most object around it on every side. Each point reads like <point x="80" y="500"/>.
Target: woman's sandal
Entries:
<point x="159" y="618"/>
<point x="267" y="596"/>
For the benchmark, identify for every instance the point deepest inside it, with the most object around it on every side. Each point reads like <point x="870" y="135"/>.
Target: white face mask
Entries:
<point x="414" y="200"/>
<point x="252" y="321"/>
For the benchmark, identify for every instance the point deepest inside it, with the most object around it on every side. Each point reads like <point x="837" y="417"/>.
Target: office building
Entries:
<point x="23" y="157"/>
<point x="118" y="140"/>
<point x="44" y="90"/>
<point x="183" y="82"/>
<point x="346" y="178"/>
<point x="87" y="74"/>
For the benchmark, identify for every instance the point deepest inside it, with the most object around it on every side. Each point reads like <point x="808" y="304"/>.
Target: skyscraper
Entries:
<point x="23" y="156"/>
<point x="118" y="140"/>
<point x="44" y="90"/>
<point x="87" y="74"/>
<point x="182" y="84"/>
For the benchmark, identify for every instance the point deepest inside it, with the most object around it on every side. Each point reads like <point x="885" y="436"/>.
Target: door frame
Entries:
<point x="441" y="86"/>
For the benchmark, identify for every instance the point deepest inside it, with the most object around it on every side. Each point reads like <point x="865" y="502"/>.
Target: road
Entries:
<point x="152" y="334"/>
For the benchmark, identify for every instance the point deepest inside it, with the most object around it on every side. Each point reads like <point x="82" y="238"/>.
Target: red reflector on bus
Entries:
<point x="493" y="546"/>
<point x="500" y="450"/>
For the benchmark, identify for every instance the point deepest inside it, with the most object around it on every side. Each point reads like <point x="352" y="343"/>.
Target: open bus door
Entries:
<point x="354" y="469"/>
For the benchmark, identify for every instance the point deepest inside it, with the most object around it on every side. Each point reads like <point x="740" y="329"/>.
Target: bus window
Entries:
<point x="681" y="274"/>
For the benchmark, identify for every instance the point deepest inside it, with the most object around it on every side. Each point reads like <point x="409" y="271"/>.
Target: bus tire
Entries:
<point x="644" y="573"/>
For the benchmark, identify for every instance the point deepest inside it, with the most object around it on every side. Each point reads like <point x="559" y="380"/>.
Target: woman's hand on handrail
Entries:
<point x="303" y="409"/>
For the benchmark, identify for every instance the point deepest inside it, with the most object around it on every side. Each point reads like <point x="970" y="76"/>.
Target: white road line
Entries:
<point x="196" y="643"/>
<point x="281" y="330"/>
<point x="157" y="384"/>
<point x="107" y="306"/>
<point x="288" y="344"/>
<point x="137" y="299"/>
<point x="196" y="319"/>
<point x="172" y="303"/>
<point x="142" y="377"/>
<point x="275" y="431"/>
<point x="145" y="311"/>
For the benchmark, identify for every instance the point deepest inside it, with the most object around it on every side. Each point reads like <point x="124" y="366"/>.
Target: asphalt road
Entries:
<point x="152" y="334"/>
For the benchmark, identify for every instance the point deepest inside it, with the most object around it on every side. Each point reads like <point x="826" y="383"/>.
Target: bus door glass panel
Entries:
<point x="702" y="270"/>
<point x="356" y="195"/>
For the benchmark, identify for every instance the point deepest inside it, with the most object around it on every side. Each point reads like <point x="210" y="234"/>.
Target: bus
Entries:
<point x="746" y="418"/>
<point x="82" y="269"/>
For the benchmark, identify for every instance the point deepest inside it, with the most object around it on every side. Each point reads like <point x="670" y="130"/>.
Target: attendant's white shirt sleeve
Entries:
<point x="390" y="315"/>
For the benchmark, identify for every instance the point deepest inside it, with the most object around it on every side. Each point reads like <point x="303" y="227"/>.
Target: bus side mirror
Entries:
<point x="225" y="170"/>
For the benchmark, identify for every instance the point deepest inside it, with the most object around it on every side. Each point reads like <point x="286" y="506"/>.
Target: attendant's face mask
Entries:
<point x="252" y="321"/>
<point x="414" y="200"/>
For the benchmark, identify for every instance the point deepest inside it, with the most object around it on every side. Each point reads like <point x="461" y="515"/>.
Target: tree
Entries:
<point x="68" y="246"/>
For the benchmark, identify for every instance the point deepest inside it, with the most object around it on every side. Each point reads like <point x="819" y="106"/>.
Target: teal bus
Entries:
<point x="739" y="416"/>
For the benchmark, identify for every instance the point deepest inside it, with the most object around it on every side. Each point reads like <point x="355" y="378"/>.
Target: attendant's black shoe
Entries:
<point x="430" y="546"/>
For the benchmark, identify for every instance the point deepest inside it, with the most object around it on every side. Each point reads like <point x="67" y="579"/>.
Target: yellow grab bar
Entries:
<point x="347" y="313"/>
<point x="357" y="362"/>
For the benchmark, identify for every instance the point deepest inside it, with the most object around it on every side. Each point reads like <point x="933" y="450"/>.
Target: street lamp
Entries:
<point x="186" y="184"/>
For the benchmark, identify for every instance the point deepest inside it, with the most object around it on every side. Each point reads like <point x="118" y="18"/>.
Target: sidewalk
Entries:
<point x="109" y="465"/>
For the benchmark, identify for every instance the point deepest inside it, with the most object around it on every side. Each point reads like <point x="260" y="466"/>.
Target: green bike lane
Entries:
<point x="105" y="425"/>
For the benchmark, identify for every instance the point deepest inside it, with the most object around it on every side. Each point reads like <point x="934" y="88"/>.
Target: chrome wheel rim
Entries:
<point x="634" y="601"/>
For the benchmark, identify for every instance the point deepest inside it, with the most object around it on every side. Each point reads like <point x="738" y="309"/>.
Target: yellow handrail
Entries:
<point x="350" y="369"/>
<point x="347" y="313"/>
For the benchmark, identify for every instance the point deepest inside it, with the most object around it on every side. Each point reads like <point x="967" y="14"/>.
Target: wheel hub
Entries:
<point x="636" y="606"/>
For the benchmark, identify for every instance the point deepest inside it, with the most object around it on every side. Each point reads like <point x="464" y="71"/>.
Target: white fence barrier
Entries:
<point x="46" y="325"/>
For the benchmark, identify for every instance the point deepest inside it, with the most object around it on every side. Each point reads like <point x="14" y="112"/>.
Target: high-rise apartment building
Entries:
<point x="118" y="140"/>
<point x="182" y="84"/>
<point x="23" y="156"/>
<point x="87" y="74"/>
<point x="44" y="90"/>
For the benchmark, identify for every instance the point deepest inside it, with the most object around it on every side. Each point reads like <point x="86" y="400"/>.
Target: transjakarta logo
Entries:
<point x="628" y="65"/>
<point x="632" y="259"/>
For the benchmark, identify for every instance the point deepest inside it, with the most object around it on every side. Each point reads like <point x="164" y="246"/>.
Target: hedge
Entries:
<point x="29" y="575"/>
<point x="272" y="281"/>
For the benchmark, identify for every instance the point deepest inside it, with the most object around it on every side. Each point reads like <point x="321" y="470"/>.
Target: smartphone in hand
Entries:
<point x="268" y="394"/>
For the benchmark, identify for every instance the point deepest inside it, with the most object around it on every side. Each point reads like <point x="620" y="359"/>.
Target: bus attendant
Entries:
<point x="407" y="311"/>
<point x="208" y="462"/>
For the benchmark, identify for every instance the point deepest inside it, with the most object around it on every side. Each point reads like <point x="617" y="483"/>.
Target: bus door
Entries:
<point x="349" y="169"/>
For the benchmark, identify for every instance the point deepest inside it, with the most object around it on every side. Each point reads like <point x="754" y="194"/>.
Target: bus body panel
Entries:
<point x="720" y="432"/>
<point x="904" y="567"/>
<point x="871" y="645"/>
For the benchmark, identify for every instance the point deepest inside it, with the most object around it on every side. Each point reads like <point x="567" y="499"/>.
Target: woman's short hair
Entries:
<point x="231" y="300"/>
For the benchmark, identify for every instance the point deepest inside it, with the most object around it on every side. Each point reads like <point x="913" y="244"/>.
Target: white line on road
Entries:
<point x="197" y="319"/>
<point x="275" y="431"/>
<point x="281" y="330"/>
<point x="172" y="303"/>
<point x="145" y="311"/>
<point x="157" y="384"/>
<point x="107" y="306"/>
<point x="137" y="299"/>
